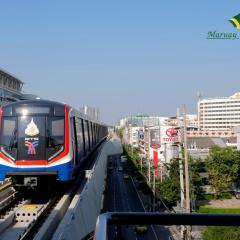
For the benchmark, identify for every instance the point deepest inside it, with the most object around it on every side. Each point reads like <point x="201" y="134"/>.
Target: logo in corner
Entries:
<point x="235" y="21"/>
<point x="226" y="35"/>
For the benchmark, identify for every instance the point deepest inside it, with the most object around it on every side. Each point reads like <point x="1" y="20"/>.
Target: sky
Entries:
<point x="125" y="57"/>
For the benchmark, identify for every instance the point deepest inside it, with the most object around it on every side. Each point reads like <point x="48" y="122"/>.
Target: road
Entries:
<point x="121" y="196"/>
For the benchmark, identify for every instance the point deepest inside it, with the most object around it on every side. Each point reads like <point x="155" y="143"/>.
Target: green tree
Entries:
<point x="133" y="154"/>
<point x="223" y="168"/>
<point x="169" y="190"/>
<point x="195" y="179"/>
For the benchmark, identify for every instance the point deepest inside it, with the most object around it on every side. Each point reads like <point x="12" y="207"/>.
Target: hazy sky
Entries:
<point x="125" y="57"/>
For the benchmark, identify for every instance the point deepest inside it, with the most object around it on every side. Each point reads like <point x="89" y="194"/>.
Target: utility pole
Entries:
<point x="161" y="172"/>
<point x="180" y="162"/>
<point x="149" y="171"/>
<point x="154" y="188"/>
<point x="148" y="157"/>
<point x="188" y="207"/>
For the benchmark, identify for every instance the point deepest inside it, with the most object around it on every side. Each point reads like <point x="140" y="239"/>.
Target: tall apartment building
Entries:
<point x="219" y="115"/>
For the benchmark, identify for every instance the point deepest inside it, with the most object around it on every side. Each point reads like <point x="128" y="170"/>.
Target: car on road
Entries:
<point x="140" y="228"/>
<point x="125" y="176"/>
<point x="123" y="159"/>
<point x="120" y="169"/>
<point x="237" y="194"/>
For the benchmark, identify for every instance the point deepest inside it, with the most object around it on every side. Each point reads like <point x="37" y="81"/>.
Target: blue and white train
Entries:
<point x="43" y="141"/>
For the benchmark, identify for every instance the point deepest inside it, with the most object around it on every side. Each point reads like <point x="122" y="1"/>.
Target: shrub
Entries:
<point x="221" y="233"/>
<point x="225" y="195"/>
<point x="206" y="197"/>
<point x="206" y="209"/>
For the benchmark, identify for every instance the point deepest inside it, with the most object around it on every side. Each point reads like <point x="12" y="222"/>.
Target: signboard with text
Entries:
<point x="155" y="138"/>
<point x="169" y="134"/>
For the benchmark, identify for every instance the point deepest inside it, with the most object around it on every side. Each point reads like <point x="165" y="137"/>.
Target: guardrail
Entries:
<point x="126" y="218"/>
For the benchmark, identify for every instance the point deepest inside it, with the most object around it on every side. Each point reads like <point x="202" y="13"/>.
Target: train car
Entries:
<point x="42" y="141"/>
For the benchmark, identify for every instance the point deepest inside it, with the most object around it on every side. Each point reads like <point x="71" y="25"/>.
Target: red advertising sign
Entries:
<point x="155" y="163"/>
<point x="169" y="134"/>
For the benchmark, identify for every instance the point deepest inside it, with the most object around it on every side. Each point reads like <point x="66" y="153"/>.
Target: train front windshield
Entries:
<point x="32" y="133"/>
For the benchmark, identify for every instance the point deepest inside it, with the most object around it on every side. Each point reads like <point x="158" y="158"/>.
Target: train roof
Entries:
<point x="51" y="103"/>
<point x="37" y="102"/>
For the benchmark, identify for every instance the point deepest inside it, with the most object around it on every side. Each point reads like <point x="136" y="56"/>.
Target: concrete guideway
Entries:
<point x="80" y="218"/>
<point x="17" y="228"/>
<point x="80" y="210"/>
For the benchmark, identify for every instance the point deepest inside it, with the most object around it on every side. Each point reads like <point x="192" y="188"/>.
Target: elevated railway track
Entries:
<point x="40" y="215"/>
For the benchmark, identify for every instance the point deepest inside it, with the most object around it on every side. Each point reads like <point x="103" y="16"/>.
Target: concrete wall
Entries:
<point x="82" y="214"/>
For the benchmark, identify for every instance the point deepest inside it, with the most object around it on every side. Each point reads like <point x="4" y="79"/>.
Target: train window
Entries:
<point x="8" y="131"/>
<point x="97" y="133"/>
<point x="83" y="138"/>
<point x="90" y="133"/>
<point x="94" y="135"/>
<point x="54" y="136"/>
<point x="86" y="136"/>
<point x="9" y="137"/>
<point x="56" y="129"/>
<point x="58" y="111"/>
<point x="7" y="111"/>
<point x="80" y="137"/>
<point x="89" y="138"/>
<point x="9" y="125"/>
<point x="32" y="110"/>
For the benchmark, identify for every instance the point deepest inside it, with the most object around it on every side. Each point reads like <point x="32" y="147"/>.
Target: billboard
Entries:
<point x="155" y="138"/>
<point x="169" y="134"/>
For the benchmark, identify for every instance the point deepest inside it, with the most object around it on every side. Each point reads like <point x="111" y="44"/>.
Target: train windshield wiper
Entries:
<point x="13" y="141"/>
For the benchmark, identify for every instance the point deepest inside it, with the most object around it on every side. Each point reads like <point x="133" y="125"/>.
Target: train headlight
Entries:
<point x="24" y="111"/>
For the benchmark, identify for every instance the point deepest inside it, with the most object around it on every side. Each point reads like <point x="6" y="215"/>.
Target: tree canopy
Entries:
<point x="170" y="188"/>
<point x="223" y="166"/>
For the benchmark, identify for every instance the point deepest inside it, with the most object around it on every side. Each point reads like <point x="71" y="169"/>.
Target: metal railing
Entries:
<point x="126" y="218"/>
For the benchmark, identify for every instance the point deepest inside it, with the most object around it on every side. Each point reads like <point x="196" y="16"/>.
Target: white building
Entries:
<point x="133" y="135"/>
<point x="219" y="115"/>
<point x="123" y="122"/>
